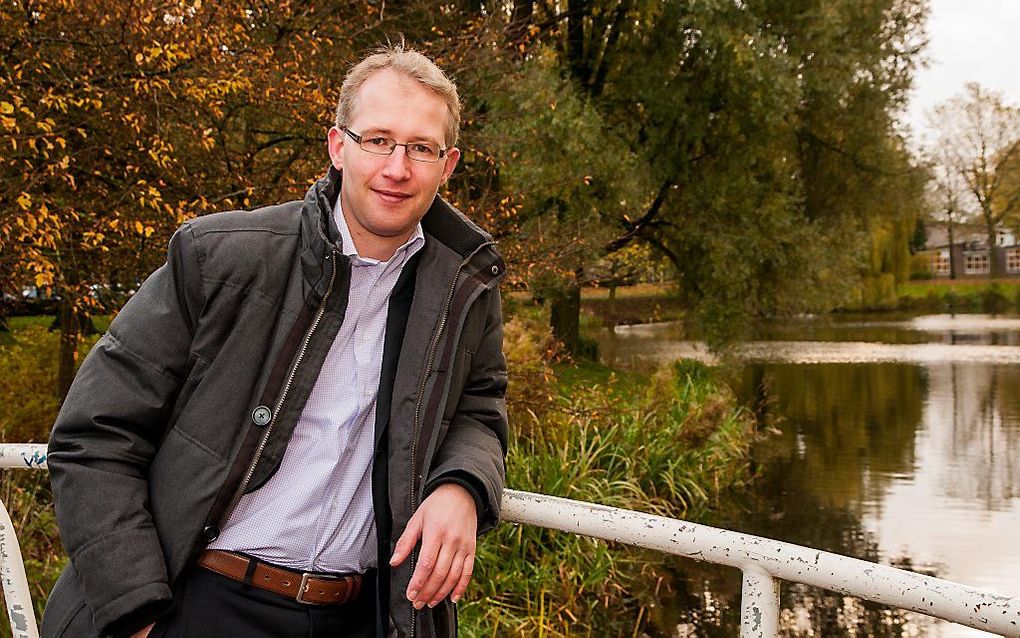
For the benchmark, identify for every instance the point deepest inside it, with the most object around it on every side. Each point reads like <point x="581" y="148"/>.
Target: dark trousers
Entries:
<point x="207" y="604"/>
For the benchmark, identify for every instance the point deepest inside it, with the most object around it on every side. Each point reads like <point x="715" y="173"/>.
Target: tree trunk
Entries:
<point x="70" y="332"/>
<point x="577" y="11"/>
<point x="611" y="306"/>
<point x="952" y="259"/>
<point x="993" y="262"/>
<point x="565" y="317"/>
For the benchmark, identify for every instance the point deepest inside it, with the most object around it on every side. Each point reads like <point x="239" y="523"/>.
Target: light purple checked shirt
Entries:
<point x="315" y="513"/>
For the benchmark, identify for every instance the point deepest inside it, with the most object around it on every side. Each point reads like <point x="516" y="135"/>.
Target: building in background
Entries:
<point x="969" y="254"/>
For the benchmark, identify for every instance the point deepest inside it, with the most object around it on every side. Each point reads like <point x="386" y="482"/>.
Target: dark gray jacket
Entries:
<point x="165" y="426"/>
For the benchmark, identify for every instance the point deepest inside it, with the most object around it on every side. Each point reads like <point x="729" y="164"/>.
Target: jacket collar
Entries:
<point x="442" y="223"/>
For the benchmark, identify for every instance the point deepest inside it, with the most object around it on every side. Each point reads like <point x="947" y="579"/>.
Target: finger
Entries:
<point x="456" y="567"/>
<point x="423" y="569"/>
<point x="436" y="578"/>
<point x="465" y="578"/>
<point x="407" y="541"/>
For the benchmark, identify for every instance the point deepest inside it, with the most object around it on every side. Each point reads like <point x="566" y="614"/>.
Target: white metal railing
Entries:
<point x="763" y="562"/>
<point x="17" y="596"/>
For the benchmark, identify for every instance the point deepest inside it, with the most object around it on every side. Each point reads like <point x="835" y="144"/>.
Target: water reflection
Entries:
<point x="909" y="460"/>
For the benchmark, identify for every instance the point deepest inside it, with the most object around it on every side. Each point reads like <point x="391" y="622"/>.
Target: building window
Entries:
<point x="1013" y="260"/>
<point x="940" y="263"/>
<point x="976" y="263"/>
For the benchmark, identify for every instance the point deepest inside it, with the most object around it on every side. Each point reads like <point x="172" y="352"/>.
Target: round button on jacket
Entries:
<point x="210" y="533"/>
<point x="261" y="415"/>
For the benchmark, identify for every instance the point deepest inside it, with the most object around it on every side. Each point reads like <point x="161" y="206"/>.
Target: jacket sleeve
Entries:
<point x="107" y="431"/>
<point x="473" y="454"/>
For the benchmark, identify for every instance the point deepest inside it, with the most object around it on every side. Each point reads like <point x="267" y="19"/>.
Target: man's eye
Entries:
<point x="424" y="149"/>
<point x="381" y="142"/>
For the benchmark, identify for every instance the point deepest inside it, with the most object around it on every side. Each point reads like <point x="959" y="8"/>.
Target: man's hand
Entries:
<point x="446" y="522"/>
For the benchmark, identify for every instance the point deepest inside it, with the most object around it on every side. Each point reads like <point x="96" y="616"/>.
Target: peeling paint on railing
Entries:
<point x="761" y="560"/>
<point x="12" y="573"/>
<point x="22" y="455"/>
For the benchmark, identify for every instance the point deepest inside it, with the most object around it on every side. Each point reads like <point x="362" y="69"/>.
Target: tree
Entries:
<point x="977" y="134"/>
<point x="121" y="121"/>
<point x="768" y="128"/>
<point x="947" y="201"/>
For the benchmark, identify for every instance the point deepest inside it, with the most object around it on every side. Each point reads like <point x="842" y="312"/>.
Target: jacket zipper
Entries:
<point x="286" y="388"/>
<point x="421" y="395"/>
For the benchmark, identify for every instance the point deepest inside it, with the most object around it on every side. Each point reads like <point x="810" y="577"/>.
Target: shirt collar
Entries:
<point x="408" y="248"/>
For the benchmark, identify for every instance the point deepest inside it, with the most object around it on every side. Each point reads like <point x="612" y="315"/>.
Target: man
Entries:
<point x="296" y="426"/>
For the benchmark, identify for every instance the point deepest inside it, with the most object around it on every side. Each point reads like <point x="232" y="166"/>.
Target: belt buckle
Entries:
<point x="304" y="587"/>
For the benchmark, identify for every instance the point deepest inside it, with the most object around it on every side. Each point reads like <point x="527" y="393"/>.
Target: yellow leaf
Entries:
<point x="25" y="200"/>
<point x="43" y="279"/>
<point x="6" y="108"/>
<point x="139" y="228"/>
<point x="139" y="58"/>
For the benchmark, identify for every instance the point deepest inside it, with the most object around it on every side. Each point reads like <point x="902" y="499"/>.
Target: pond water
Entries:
<point x="893" y="440"/>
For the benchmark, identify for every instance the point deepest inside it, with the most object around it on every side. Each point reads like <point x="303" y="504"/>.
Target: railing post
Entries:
<point x="759" y="604"/>
<point x="12" y="571"/>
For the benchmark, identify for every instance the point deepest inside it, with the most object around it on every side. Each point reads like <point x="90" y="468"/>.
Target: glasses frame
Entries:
<point x="393" y="146"/>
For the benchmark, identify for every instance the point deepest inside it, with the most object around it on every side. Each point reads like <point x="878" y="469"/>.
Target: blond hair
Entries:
<point x="410" y="63"/>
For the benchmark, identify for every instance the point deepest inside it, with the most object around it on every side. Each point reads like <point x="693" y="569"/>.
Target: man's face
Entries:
<point x="384" y="197"/>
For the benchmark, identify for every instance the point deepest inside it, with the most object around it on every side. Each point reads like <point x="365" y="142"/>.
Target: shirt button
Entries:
<point x="261" y="415"/>
<point x="210" y="533"/>
<point x="495" y="270"/>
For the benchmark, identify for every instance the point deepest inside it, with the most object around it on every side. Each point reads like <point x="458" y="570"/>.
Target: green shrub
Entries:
<point x="994" y="300"/>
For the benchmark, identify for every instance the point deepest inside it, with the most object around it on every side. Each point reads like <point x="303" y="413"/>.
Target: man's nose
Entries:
<point x="398" y="165"/>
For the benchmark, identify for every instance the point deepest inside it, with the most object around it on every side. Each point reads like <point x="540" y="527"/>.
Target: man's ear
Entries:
<point x="452" y="156"/>
<point x="335" y="145"/>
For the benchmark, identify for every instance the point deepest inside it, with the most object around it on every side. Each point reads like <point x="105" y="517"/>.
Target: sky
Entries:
<point x="968" y="41"/>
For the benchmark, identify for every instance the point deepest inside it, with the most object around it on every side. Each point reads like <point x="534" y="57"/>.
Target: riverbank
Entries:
<point x="959" y="295"/>
<point x="668" y="443"/>
<point x="627" y="305"/>
<point x="650" y="303"/>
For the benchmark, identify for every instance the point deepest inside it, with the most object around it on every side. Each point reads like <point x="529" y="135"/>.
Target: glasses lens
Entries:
<point x="378" y="145"/>
<point x="421" y="152"/>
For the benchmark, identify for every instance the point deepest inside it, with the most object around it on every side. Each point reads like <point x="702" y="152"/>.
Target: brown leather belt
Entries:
<point x="311" y="589"/>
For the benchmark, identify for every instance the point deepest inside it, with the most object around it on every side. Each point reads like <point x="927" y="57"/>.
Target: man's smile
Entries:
<point x="394" y="197"/>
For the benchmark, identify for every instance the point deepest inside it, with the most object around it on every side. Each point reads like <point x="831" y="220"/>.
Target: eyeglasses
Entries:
<point x="417" y="151"/>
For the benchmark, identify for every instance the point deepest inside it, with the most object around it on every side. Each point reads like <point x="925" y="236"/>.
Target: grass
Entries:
<point x="628" y="292"/>
<point x="922" y="288"/>
<point x="956" y="295"/>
